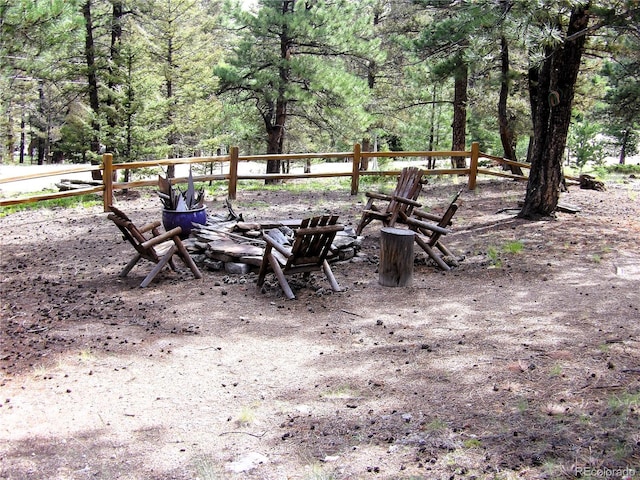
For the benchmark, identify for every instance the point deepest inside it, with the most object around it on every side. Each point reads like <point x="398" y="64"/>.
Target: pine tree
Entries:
<point x="34" y="56"/>
<point x="180" y="54"/>
<point x="622" y="110"/>
<point x="291" y="61"/>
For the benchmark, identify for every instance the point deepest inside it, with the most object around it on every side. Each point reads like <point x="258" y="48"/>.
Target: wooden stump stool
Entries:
<point x="396" y="257"/>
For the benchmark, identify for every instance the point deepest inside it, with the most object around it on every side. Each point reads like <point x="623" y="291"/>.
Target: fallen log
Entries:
<point x="587" y="182"/>
<point x="72" y="184"/>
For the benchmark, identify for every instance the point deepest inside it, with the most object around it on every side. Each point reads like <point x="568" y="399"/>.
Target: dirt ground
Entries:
<point x="517" y="364"/>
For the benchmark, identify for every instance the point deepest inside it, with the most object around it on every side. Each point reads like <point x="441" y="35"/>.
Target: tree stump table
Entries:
<point x="396" y="257"/>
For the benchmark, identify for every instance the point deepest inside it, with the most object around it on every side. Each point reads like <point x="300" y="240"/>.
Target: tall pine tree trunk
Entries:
<point x="372" y="72"/>
<point x="115" y="76"/>
<point x="23" y="137"/>
<point x="92" y="77"/>
<point x="431" y="161"/>
<point x="171" y="134"/>
<point x="275" y="136"/>
<point x="129" y="109"/>
<point x="42" y="129"/>
<point x="506" y="127"/>
<point x="461" y="80"/>
<point x="555" y="91"/>
<point x="276" y="117"/>
<point x="623" y="148"/>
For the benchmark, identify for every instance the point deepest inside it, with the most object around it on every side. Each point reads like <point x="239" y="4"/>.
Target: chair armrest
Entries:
<point x="407" y="201"/>
<point x="149" y="226"/>
<point x="422" y="214"/>
<point x="162" y="238"/>
<point x="379" y="196"/>
<point x="427" y="226"/>
<point x="278" y="246"/>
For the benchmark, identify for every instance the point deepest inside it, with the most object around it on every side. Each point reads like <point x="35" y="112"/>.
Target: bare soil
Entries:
<point x="514" y="365"/>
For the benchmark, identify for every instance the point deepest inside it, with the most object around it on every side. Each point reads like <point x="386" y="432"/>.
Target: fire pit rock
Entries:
<point x="237" y="247"/>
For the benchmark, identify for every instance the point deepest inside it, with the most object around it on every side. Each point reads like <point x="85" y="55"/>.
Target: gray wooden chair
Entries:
<point x="398" y="205"/>
<point x="430" y="229"/>
<point x="152" y="245"/>
<point x="309" y="252"/>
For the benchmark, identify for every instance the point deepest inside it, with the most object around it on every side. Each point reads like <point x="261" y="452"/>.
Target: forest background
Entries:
<point x="152" y="79"/>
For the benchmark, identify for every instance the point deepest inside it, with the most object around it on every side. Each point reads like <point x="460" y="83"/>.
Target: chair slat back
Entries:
<point x="131" y="233"/>
<point x="313" y="240"/>
<point x="409" y="186"/>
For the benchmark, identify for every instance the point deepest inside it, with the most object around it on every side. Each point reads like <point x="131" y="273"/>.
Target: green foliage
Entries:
<point x="583" y="142"/>
<point x="513" y="247"/>
<point x="623" y="405"/>
<point x="246" y="416"/>
<point x="188" y="78"/>
<point x="80" y="201"/>
<point x="306" y="80"/>
<point x="206" y="468"/>
<point x="320" y="472"/>
<point x="75" y="133"/>
<point x="472" y="443"/>
<point x="495" y="254"/>
<point x="437" y="425"/>
<point x="556" y="371"/>
<point x="381" y="182"/>
<point x="37" y="40"/>
<point x="625" y="169"/>
<point x="622" y="107"/>
<point x="522" y="405"/>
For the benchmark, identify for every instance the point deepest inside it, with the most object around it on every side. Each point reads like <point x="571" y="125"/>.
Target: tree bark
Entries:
<point x="92" y="78"/>
<point x="555" y="92"/>
<point x="506" y="127"/>
<point x="431" y="161"/>
<point x="114" y="79"/>
<point x="129" y="102"/>
<point x="533" y="83"/>
<point x="366" y="147"/>
<point x="274" y="123"/>
<point x="22" y="138"/>
<point x="461" y="79"/>
<point x="396" y="257"/>
<point x="42" y="129"/>
<point x="275" y="117"/>
<point x="623" y="149"/>
<point x="171" y="134"/>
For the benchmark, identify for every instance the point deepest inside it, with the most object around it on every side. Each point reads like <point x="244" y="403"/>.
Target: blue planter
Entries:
<point x="172" y="219"/>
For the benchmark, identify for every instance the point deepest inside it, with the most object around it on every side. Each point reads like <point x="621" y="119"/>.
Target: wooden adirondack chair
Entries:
<point x="399" y="204"/>
<point x="311" y="246"/>
<point x="429" y="234"/>
<point x="152" y="245"/>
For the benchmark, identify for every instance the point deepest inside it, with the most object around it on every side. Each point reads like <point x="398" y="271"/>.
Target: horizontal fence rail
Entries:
<point x="108" y="171"/>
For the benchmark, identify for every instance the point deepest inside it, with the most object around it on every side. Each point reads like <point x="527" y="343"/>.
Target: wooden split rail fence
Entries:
<point x="107" y="170"/>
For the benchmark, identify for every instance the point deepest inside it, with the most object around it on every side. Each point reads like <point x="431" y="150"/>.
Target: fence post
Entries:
<point x="355" y="169"/>
<point x="107" y="180"/>
<point x="233" y="172"/>
<point x="473" y="167"/>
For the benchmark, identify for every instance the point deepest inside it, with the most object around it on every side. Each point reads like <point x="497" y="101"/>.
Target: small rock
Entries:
<point x="346" y="253"/>
<point x="248" y="462"/>
<point x="331" y="458"/>
<point x="213" y="265"/>
<point x="237" y="268"/>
